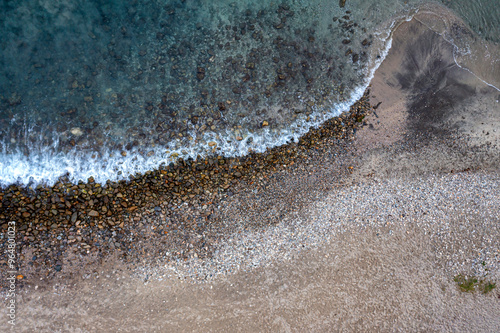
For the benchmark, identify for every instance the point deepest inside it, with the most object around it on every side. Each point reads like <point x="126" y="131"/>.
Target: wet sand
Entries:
<point x="365" y="236"/>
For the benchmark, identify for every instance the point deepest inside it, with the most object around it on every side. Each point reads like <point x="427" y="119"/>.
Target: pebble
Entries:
<point x="76" y="131"/>
<point x="93" y="213"/>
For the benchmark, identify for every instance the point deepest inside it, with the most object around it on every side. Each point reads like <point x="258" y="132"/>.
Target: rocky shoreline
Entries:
<point x="97" y="220"/>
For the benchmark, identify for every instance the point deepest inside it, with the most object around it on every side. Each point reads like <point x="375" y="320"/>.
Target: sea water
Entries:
<point x="111" y="88"/>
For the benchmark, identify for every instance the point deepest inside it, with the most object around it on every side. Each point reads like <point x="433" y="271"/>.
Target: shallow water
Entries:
<point x="111" y="88"/>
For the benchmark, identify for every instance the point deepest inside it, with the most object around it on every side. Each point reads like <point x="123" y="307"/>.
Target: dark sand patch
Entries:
<point x="363" y="238"/>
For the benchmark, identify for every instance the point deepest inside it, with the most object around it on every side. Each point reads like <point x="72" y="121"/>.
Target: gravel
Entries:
<point x="437" y="205"/>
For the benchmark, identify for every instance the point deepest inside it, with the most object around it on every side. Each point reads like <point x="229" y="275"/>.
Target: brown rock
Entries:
<point x="93" y="213"/>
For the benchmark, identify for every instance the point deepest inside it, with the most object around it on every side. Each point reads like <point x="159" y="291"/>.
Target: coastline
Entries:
<point x="277" y="255"/>
<point x="179" y="203"/>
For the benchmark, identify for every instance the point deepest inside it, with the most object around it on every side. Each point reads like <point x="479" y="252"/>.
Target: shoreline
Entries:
<point x="70" y="215"/>
<point x="364" y="232"/>
<point x="259" y="95"/>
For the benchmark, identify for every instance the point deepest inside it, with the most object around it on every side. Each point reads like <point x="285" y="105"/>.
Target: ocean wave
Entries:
<point x="39" y="163"/>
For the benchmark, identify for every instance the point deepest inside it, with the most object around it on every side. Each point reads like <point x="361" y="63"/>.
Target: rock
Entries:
<point x="200" y="73"/>
<point x="73" y="217"/>
<point x="93" y="213"/>
<point x="265" y="123"/>
<point x="342" y="3"/>
<point x="76" y="131"/>
<point x="212" y="143"/>
<point x="15" y="99"/>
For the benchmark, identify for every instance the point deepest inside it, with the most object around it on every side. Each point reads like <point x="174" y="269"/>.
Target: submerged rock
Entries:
<point x="76" y="131"/>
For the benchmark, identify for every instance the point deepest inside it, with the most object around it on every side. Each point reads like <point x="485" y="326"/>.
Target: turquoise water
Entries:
<point x="111" y="88"/>
<point x="482" y="16"/>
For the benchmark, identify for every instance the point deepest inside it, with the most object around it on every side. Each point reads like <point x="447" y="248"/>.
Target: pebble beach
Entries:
<point x="365" y="224"/>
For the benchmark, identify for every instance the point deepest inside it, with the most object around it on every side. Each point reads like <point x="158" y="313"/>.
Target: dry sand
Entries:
<point x="372" y="248"/>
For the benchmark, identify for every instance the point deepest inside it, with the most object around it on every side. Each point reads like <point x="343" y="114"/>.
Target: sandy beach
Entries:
<point x="364" y="235"/>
